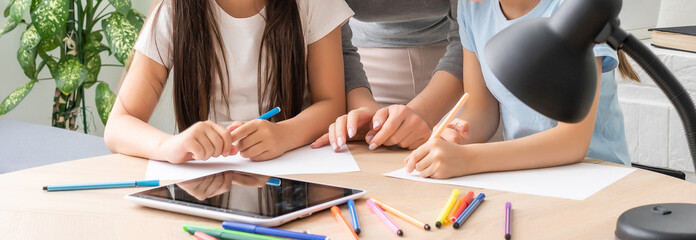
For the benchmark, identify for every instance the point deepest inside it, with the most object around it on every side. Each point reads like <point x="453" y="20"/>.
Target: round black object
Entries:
<point x="658" y="221"/>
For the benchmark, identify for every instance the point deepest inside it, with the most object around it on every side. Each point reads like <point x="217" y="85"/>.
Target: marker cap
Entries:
<point x="147" y="183"/>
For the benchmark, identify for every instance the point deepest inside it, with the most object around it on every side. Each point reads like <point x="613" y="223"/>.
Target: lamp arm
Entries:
<point x="669" y="85"/>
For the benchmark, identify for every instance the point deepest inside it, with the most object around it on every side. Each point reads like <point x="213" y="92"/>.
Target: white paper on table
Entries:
<point x="303" y="160"/>
<point x="575" y="181"/>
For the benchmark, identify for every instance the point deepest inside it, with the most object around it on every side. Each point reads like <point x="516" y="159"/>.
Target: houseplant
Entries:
<point x="63" y="37"/>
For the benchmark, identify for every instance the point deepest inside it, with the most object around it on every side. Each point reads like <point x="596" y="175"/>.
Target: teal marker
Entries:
<point x="269" y="114"/>
<point x="226" y="234"/>
<point x="87" y="186"/>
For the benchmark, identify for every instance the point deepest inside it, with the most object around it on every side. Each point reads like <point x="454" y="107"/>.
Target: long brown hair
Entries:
<point x="625" y="69"/>
<point x="198" y="58"/>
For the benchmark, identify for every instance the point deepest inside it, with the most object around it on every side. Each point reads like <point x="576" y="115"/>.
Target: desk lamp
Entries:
<point x="520" y="57"/>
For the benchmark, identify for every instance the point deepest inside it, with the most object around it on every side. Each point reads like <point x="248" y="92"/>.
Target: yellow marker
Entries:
<point x="459" y="201"/>
<point x="447" y="209"/>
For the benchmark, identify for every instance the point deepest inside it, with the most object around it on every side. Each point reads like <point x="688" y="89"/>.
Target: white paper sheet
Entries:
<point x="576" y="181"/>
<point x="303" y="160"/>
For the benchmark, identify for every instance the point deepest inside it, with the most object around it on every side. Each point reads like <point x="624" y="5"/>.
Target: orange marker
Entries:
<point x="339" y="217"/>
<point x="460" y="200"/>
<point x="440" y="128"/>
<point x="465" y="201"/>
<point x="401" y="214"/>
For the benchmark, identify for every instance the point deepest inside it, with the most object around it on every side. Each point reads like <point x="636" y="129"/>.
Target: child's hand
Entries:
<point x="438" y="158"/>
<point x="456" y="132"/>
<point x="398" y="125"/>
<point x="200" y="141"/>
<point x="259" y="140"/>
<point x="348" y="127"/>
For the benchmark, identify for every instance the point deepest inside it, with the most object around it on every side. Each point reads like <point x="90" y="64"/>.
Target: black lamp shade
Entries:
<point x="548" y="63"/>
<point x="545" y="72"/>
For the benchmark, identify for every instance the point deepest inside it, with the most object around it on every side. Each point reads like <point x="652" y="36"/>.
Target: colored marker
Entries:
<point x="269" y="114"/>
<point x="400" y="214"/>
<point x="448" y="207"/>
<point x="226" y="234"/>
<point x="339" y="217"/>
<point x="86" y="186"/>
<point x="440" y="128"/>
<point x="508" y="208"/>
<point x="384" y="218"/>
<point x="466" y="200"/>
<point x="202" y="236"/>
<point x="469" y="210"/>
<point x="250" y="228"/>
<point x="457" y="202"/>
<point x="354" y="216"/>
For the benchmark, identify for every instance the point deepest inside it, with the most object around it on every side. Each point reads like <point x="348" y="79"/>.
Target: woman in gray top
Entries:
<point x="404" y="56"/>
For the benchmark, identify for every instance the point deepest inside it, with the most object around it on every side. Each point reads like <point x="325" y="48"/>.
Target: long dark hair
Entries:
<point x="198" y="58"/>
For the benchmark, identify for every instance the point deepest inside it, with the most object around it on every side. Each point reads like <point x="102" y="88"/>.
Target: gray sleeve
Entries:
<point x="452" y="62"/>
<point x="355" y="76"/>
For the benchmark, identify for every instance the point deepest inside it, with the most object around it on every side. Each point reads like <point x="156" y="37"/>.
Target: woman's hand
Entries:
<point x="349" y="127"/>
<point x="456" y="132"/>
<point x="440" y="159"/>
<point x="259" y="140"/>
<point x="201" y="141"/>
<point x="398" y="125"/>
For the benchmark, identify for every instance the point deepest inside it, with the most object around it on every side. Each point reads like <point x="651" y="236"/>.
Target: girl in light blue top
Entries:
<point x="531" y="139"/>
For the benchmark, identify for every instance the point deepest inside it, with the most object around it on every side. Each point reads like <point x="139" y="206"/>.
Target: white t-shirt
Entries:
<point x="242" y="41"/>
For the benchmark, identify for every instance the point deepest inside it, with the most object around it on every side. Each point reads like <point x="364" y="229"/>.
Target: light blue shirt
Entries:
<point x="480" y="21"/>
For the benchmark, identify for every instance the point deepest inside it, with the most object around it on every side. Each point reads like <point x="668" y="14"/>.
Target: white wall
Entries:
<point x="37" y="106"/>
<point x="677" y="13"/>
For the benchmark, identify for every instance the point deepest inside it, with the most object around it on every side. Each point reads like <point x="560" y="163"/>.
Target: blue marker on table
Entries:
<point x="250" y="228"/>
<point x="354" y="216"/>
<point x="469" y="210"/>
<point x="86" y="186"/>
<point x="269" y="114"/>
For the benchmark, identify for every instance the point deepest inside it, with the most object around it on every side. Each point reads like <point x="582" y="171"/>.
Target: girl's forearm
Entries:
<point x="554" y="147"/>
<point x="311" y="123"/>
<point x="131" y="136"/>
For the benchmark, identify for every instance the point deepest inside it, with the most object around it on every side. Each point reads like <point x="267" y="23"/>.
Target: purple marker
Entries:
<point x="508" y="208"/>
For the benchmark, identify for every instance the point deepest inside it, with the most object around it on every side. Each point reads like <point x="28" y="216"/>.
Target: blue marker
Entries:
<point x="243" y="227"/>
<point x="269" y="114"/>
<point x="86" y="186"/>
<point x="469" y="210"/>
<point x="354" y="216"/>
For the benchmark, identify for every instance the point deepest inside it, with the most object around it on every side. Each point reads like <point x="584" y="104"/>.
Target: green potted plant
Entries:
<point x="63" y="37"/>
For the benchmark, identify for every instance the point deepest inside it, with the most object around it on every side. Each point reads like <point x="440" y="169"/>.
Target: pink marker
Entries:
<point x="382" y="216"/>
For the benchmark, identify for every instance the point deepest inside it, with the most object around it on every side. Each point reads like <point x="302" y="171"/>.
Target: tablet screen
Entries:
<point x="247" y="194"/>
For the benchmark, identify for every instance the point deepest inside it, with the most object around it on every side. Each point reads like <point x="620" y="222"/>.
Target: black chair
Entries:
<point x="669" y="172"/>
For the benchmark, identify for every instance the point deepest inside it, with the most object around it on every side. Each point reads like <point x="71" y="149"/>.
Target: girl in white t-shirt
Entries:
<point x="232" y="61"/>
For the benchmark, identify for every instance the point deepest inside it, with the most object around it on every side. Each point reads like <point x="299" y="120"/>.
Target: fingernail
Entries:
<point x="226" y="153"/>
<point x="351" y="133"/>
<point x="340" y="141"/>
<point x="373" y="146"/>
<point x="369" y="138"/>
<point x="375" y="124"/>
<point x="333" y="145"/>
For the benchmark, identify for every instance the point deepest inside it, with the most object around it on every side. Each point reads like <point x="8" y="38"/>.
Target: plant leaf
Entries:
<point x="122" y="6"/>
<point x="9" y="26"/>
<point x="48" y="44"/>
<point x="12" y="100"/>
<point x="120" y="35"/>
<point x="69" y="74"/>
<point x="136" y="19"/>
<point x="18" y="9"/>
<point x="49" y="17"/>
<point x="30" y="38"/>
<point x="27" y="59"/>
<point x="104" y="99"/>
<point x="96" y="47"/>
<point x="7" y="9"/>
<point x="95" y="36"/>
<point x="93" y="66"/>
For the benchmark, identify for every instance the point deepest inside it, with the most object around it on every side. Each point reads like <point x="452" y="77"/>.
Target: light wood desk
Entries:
<point x="27" y="212"/>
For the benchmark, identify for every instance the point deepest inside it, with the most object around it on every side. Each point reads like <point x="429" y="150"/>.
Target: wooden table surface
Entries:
<point x="27" y="212"/>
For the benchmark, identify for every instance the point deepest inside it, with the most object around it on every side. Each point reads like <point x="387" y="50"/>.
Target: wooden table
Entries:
<point x="27" y="212"/>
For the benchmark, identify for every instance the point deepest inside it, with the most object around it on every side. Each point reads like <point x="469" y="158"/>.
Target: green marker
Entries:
<point x="227" y="234"/>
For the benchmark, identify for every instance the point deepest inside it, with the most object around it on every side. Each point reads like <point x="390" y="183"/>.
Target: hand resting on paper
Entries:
<point x="213" y="185"/>
<point x="201" y="141"/>
<point x="259" y="140"/>
<point x="441" y="159"/>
